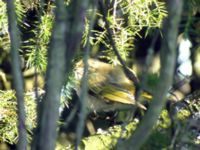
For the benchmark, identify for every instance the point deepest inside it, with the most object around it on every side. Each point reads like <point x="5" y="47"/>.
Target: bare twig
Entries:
<point x="40" y="12"/>
<point x="174" y="138"/>
<point x="147" y="65"/>
<point x="84" y="85"/>
<point x="70" y="116"/>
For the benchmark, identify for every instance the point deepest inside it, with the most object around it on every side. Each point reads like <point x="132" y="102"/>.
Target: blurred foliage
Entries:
<point x="4" y="37"/>
<point x="164" y="121"/>
<point x="66" y="92"/>
<point x="158" y="140"/>
<point x="150" y="13"/>
<point x="197" y="61"/>
<point x="183" y="114"/>
<point x="194" y="5"/>
<point x="180" y="131"/>
<point x="126" y="18"/>
<point x="8" y="116"/>
<point x="36" y="47"/>
<point x="29" y="4"/>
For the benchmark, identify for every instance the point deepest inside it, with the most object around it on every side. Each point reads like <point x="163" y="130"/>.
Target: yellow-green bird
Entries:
<point x="108" y="83"/>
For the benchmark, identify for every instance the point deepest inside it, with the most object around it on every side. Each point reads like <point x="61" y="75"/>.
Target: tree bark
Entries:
<point x="168" y="55"/>
<point x="45" y="136"/>
<point x="17" y="74"/>
<point x="66" y="39"/>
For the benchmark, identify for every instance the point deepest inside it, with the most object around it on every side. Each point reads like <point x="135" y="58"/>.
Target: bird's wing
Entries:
<point x="113" y="93"/>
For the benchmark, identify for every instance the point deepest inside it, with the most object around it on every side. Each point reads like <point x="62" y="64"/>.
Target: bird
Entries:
<point x="107" y="84"/>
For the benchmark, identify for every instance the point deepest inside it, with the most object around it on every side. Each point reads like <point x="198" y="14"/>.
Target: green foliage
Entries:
<point x="86" y="32"/>
<point x="191" y="19"/>
<point x="193" y="5"/>
<point x="127" y="19"/>
<point x="67" y="2"/>
<point x="4" y="37"/>
<point x="37" y="56"/>
<point x="8" y="115"/>
<point x="66" y="93"/>
<point x="29" y="4"/>
<point x="3" y="19"/>
<point x="36" y="46"/>
<point x="144" y="13"/>
<point x="160" y="137"/>
<point x="164" y="121"/>
<point x="183" y="114"/>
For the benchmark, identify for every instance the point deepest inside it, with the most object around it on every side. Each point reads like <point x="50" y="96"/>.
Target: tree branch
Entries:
<point x="46" y="133"/>
<point x="17" y="74"/>
<point x="168" y="55"/>
<point x="127" y="71"/>
<point x="84" y="86"/>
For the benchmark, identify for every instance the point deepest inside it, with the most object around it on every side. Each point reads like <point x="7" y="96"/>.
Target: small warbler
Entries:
<point x="108" y="83"/>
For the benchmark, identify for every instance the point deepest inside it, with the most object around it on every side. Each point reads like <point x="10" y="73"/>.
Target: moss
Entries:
<point x="183" y="114"/>
<point x="160" y="137"/>
<point x="164" y="120"/>
<point x="108" y="139"/>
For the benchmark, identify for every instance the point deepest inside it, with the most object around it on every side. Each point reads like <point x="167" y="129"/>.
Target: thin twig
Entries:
<point x="148" y="61"/>
<point x="71" y="116"/>
<point x="40" y="12"/>
<point x="173" y="141"/>
<point x="127" y="71"/>
<point x="84" y="87"/>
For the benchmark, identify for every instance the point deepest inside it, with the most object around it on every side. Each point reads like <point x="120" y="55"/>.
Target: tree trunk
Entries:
<point x="168" y="56"/>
